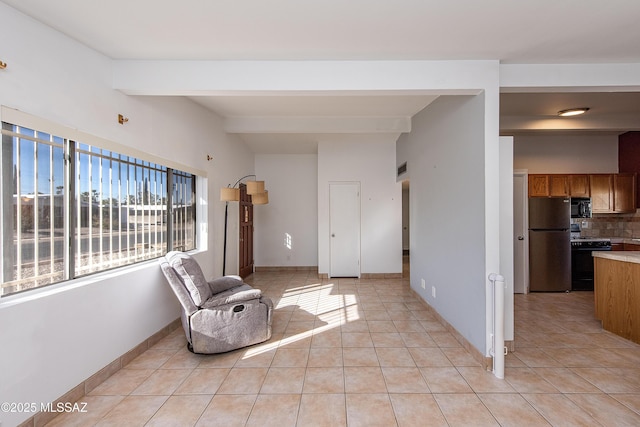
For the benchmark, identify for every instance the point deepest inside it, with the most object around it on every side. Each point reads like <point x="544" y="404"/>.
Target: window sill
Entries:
<point x="57" y="288"/>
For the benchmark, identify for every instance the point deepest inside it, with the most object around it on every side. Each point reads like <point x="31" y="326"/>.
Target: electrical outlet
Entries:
<point x="433" y="291"/>
<point x="424" y="284"/>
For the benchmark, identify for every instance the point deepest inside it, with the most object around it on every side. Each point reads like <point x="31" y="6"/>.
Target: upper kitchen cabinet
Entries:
<point x="548" y="185"/>
<point x="624" y="192"/>
<point x="610" y="193"/>
<point x="579" y="186"/>
<point x="558" y="185"/>
<point x="601" y="193"/>
<point x="613" y="193"/>
<point x="538" y="185"/>
<point x="629" y="156"/>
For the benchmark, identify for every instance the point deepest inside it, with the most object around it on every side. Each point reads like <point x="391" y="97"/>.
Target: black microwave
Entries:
<point x="580" y="207"/>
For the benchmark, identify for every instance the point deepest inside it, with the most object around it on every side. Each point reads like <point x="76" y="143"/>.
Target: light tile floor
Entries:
<point x="367" y="353"/>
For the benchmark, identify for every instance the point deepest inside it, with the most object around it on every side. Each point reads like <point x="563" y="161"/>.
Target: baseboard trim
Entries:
<point x="381" y="275"/>
<point x="368" y="276"/>
<point x="271" y="269"/>
<point x="81" y="390"/>
<point x="314" y="269"/>
<point x="485" y="361"/>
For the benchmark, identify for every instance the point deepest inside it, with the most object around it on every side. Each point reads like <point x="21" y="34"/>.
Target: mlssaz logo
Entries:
<point x="65" y="407"/>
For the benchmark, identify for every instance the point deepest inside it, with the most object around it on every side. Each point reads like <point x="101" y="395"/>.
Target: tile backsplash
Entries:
<point x="610" y="225"/>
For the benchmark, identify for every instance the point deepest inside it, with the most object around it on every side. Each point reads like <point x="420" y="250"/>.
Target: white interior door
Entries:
<point x="520" y="235"/>
<point x="344" y="229"/>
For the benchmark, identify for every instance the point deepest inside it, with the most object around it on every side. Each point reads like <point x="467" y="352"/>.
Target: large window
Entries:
<point x="70" y="209"/>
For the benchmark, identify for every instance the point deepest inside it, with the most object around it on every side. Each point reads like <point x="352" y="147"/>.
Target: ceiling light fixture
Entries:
<point x="573" y="112"/>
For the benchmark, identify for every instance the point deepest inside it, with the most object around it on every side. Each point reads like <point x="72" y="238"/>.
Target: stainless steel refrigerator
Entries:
<point x="549" y="244"/>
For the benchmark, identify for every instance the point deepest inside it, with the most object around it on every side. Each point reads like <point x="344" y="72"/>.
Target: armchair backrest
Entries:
<point x="190" y="274"/>
<point x="178" y="287"/>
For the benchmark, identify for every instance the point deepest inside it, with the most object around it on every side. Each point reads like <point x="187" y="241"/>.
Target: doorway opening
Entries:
<point x="521" y="234"/>
<point x="406" y="228"/>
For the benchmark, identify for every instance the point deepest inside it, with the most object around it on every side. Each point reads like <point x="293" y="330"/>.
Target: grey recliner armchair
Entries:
<point x="217" y="316"/>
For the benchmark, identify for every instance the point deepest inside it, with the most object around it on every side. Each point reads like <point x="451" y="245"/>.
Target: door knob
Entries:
<point x="520" y="237"/>
<point x="333" y="235"/>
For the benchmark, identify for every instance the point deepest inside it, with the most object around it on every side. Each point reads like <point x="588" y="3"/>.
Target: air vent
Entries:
<point x="402" y="168"/>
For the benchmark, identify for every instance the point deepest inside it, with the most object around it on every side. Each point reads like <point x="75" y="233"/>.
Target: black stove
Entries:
<point x="589" y="243"/>
<point x="582" y="261"/>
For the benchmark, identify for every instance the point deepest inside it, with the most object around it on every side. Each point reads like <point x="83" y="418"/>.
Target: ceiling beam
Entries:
<point x="570" y="77"/>
<point x="613" y="123"/>
<point x="298" y="124"/>
<point x="210" y="78"/>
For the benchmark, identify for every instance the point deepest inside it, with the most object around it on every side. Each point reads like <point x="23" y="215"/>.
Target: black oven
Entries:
<point x="582" y="261"/>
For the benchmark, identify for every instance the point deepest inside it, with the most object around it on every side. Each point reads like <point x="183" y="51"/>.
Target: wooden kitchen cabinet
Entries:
<point x="630" y="247"/>
<point x="579" y="186"/>
<point x="559" y="185"/>
<point x="601" y="193"/>
<point x="617" y="294"/>
<point x="610" y="193"/>
<point x="613" y="193"/>
<point x="538" y="185"/>
<point x="549" y="185"/>
<point x="624" y="192"/>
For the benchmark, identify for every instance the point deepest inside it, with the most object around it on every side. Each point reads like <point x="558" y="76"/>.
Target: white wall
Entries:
<point x="292" y="182"/>
<point x="506" y="231"/>
<point x="445" y="154"/>
<point x="371" y="161"/>
<point x="566" y="153"/>
<point x="53" y="339"/>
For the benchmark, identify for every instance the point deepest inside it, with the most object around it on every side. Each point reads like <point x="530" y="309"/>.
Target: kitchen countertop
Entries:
<point x="624" y="256"/>
<point x="625" y="240"/>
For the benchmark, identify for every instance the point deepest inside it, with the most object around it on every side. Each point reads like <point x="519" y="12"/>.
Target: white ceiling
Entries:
<point x="541" y="31"/>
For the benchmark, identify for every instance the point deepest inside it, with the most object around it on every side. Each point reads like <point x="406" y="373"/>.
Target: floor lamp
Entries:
<point x="231" y="193"/>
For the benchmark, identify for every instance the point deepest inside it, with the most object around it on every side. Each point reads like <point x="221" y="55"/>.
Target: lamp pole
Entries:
<point x="224" y="252"/>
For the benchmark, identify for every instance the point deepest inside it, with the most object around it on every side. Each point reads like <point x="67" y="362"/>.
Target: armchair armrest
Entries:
<point x="232" y="296"/>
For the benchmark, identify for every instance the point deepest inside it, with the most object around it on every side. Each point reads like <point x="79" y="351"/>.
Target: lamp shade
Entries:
<point x="255" y="187"/>
<point x="260" y="198"/>
<point x="229" y="194"/>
